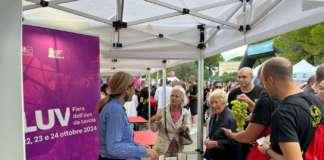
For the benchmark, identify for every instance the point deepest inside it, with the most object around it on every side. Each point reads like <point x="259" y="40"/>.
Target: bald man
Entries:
<point x="247" y="92"/>
<point x="291" y="123"/>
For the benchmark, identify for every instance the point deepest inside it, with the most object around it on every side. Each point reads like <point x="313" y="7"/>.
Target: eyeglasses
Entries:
<point x="242" y="76"/>
<point x="218" y="87"/>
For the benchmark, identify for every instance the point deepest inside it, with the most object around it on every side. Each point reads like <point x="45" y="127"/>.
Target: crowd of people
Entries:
<point x="282" y="117"/>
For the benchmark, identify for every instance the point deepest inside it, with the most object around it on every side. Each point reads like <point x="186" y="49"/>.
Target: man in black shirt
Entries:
<point x="291" y="123"/>
<point x="247" y="91"/>
<point x="260" y="121"/>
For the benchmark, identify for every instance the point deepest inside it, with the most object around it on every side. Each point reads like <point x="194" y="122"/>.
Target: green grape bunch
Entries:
<point x="240" y="112"/>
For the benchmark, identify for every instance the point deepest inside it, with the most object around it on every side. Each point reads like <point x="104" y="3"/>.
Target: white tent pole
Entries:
<point x="196" y="14"/>
<point x="114" y="53"/>
<point x="155" y="18"/>
<point x="183" y="42"/>
<point x="139" y="42"/>
<point x="31" y="6"/>
<point x="173" y="14"/>
<point x="200" y="104"/>
<point x="82" y="14"/>
<point x="112" y="17"/>
<point x="166" y="37"/>
<point x="219" y="27"/>
<point x="37" y="3"/>
<point x="214" y="5"/>
<point x="192" y="28"/>
<point x="149" y="96"/>
<point x="227" y="19"/>
<point x="234" y="26"/>
<point x="244" y="20"/>
<point x="120" y="7"/>
<point x="264" y="13"/>
<point x="150" y="39"/>
<point x="164" y="84"/>
<point x="163" y="4"/>
<point x="157" y="79"/>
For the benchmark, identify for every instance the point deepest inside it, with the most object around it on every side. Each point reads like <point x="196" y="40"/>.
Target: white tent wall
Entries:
<point x="11" y="116"/>
<point x="135" y="66"/>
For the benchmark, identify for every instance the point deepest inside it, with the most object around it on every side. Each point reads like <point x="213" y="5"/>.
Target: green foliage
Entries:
<point x="305" y="43"/>
<point x="214" y="60"/>
<point x="210" y="63"/>
<point x="237" y="58"/>
<point x="184" y="71"/>
<point x="229" y="76"/>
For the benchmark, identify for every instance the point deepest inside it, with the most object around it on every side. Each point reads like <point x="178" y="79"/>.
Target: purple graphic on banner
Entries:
<point x="61" y="90"/>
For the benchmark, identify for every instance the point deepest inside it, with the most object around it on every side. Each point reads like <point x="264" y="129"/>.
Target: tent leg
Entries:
<point x="149" y="96"/>
<point x="164" y="84"/>
<point x="200" y="125"/>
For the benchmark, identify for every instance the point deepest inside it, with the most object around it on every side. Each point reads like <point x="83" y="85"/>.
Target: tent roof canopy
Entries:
<point x="167" y="29"/>
<point x="303" y="67"/>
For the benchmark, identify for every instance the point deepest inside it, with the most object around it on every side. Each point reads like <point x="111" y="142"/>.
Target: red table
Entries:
<point x="145" y="137"/>
<point x="136" y="119"/>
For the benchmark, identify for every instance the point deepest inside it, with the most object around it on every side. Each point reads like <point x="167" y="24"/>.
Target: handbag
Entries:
<point x="184" y="136"/>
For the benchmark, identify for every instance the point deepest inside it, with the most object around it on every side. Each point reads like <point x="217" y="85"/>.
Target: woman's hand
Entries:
<point x="156" y="118"/>
<point x="182" y="128"/>
<point x="152" y="154"/>
<point x="210" y="144"/>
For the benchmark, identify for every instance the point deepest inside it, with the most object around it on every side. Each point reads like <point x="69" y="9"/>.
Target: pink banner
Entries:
<point x="61" y="90"/>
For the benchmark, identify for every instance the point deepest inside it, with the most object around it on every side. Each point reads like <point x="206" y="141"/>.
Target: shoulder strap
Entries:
<point x="183" y="115"/>
<point x="165" y="124"/>
<point x="310" y="102"/>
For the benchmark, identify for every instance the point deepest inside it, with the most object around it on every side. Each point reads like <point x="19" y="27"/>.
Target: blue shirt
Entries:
<point x="116" y="136"/>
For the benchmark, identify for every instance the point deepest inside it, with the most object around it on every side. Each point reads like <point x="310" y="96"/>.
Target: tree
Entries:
<point x="184" y="71"/>
<point x="229" y="77"/>
<point x="210" y="63"/>
<point x="305" y="43"/>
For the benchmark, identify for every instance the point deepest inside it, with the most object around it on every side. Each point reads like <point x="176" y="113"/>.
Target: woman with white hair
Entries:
<point x="170" y="121"/>
<point x="218" y="146"/>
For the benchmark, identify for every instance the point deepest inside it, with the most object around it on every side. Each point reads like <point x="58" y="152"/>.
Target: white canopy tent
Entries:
<point x="159" y="30"/>
<point x="236" y="52"/>
<point x="146" y="19"/>
<point x="303" y="70"/>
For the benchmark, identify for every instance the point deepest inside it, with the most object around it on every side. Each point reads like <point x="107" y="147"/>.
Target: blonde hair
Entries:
<point x="218" y="94"/>
<point x="118" y="83"/>
<point x="182" y="92"/>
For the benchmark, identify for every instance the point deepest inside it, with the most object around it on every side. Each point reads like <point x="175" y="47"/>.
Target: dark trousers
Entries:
<point x="104" y="158"/>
